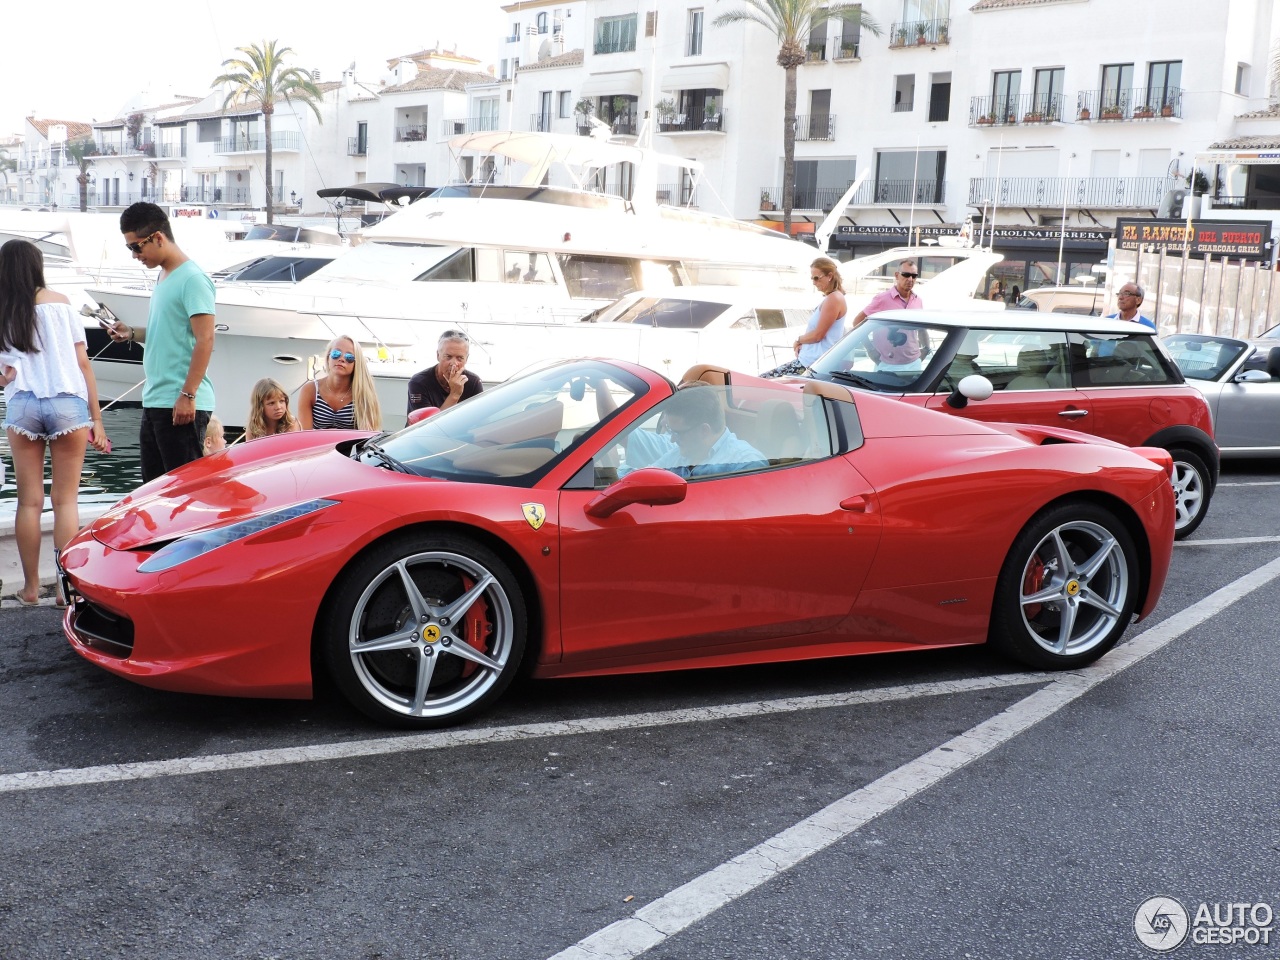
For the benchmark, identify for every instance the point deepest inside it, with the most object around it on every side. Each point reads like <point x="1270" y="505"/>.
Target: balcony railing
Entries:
<point x="615" y="46"/>
<point x="171" y="151"/>
<point x="454" y="128"/>
<point x="1029" y="108"/>
<point x="893" y="193"/>
<point x="1055" y="192"/>
<point x="921" y="33"/>
<point x="669" y="193"/>
<point x="818" y="126"/>
<point x="1135" y="103"/>
<point x="624" y="125"/>
<point x="690" y="123"/>
<point x="413" y="132"/>
<point x="832" y="48"/>
<point x="257" y="143"/>
<point x="357" y="146"/>
<point x="540" y="122"/>
<point x="237" y="197"/>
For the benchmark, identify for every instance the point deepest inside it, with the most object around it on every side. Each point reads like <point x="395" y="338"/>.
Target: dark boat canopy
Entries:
<point x="374" y="192"/>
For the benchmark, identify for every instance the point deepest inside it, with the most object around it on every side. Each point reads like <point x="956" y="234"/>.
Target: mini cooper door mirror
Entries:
<point x="973" y="387"/>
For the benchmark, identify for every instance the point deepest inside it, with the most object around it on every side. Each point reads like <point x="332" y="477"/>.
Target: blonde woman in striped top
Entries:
<point x="343" y="398"/>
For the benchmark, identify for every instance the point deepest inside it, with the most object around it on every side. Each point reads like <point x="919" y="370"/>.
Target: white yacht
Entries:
<point x="488" y="259"/>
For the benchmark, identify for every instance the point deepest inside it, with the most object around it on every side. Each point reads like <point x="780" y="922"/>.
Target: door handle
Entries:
<point x="855" y="504"/>
<point x="1073" y="413"/>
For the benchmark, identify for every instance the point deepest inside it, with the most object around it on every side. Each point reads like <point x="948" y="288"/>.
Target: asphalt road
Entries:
<point x="933" y="805"/>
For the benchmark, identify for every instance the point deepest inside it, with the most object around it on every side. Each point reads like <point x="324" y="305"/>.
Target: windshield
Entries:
<point x="886" y="355"/>
<point x="378" y="262"/>
<point x="1204" y="358"/>
<point x="664" y="312"/>
<point x="516" y="431"/>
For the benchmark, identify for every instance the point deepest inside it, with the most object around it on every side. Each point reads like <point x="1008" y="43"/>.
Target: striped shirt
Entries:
<point x="324" y="417"/>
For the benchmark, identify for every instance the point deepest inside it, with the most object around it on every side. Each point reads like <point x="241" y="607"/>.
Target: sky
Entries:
<point x="79" y="60"/>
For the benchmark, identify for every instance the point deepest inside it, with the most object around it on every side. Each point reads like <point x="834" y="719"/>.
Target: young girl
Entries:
<point x="215" y="440"/>
<point x="344" y="398"/>
<point x="51" y="400"/>
<point x="269" y="411"/>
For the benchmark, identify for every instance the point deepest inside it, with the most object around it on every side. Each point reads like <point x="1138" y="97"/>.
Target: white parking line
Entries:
<point x="183" y="766"/>
<point x="1228" y="542"/>
<point x="1251" y="483"/>
<point x="703" y="895"/>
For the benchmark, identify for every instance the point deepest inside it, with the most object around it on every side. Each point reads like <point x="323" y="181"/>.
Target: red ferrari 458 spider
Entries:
<point x="593" y="518"/>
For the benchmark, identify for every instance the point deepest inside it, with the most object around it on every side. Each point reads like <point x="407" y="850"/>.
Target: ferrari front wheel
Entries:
<point x="1068" y="588"/>
<point x="425" y="630"/>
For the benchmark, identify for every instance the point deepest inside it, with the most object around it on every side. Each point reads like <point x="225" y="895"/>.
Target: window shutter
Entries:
<point x="651" y="23"/>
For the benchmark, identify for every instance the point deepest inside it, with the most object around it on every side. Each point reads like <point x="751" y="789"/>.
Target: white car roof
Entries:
<point x="1015" y="320"/>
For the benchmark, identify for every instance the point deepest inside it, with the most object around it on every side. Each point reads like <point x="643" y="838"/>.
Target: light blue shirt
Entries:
<point x="727" y="455"/>
<point x="809" y="352"/>
<point x="1147" y="321"/>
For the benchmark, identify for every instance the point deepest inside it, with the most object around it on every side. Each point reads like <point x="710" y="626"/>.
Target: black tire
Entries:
<point x="424" y="631"/>
<point x="1068" y="588"/>
<point x="1192" y="490"/>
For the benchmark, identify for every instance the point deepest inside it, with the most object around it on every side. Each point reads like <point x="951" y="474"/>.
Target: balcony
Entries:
<point x="257" y="143"/>
<point x="818" y="126"/>
<point x="411" y="132"/>
<point x="883" y="193"/>
<point x="357" y="147"/>
<point x="540" y="122"/>
<point x="920" y="33"/>
<point x="624" y="125"/>
<point x="1027" y="109"/>
<point x="669" y="193"/>
<point x="1118" y="193"/>
<point x="238" y="197"/>
<point x="615" y="46"/>
<point x="171" y="151"/>
<point x="688" y="123"/>
<point x="455" y="128"/>
<point x="1136" y="103"/>
<point x="831" y="49"/>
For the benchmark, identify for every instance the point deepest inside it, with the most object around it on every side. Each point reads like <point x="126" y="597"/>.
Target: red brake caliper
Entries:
<point x="1033" y="582"/>
<point x="475" y="627"/>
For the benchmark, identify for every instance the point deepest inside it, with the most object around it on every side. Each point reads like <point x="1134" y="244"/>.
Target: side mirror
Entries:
<point x="1273" y="362"/>
<point x="416" y="416"/>
<point x="1253" y="376"/>
<point x="973" y="387"/>
<point x="651" y="486"/>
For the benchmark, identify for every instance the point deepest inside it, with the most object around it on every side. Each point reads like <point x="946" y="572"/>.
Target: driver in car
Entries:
<point x="700" y="444"/>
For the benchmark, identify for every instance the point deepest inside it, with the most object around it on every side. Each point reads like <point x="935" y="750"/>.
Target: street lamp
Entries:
<point x="293" y="198"/>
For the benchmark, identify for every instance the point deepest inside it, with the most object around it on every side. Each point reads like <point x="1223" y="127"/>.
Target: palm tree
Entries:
<point x="80" y="151"/>
<point x="791" y="22"/>
<point x="260" y="76"/>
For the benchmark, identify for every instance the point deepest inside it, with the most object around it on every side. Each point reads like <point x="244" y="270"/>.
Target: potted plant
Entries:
<point x="902" y="37"/>
<point x="1166" y="109"/>
<point x="1033" y="116"/>
<point x="712" y="115"/>
<point x="921" y="30"/>
<point x="1143" y="112"/>
<point x="848" y="50"/>
<point x="584" y="108"/>
<point x="987" y="119"/>
<point x="665" y="112"/>
<point x="1083" y="114"/>
<point x="766" y="201"/>
<point x="1112" y="112"/>
<point x="944" y="32"/>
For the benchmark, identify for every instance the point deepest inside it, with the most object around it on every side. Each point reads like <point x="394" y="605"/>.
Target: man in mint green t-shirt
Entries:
<point x="177" y="398"/>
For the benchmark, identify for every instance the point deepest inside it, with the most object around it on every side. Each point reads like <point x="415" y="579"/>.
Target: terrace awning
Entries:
<point x="700" y="76"/>
<point x="615" y="84"/>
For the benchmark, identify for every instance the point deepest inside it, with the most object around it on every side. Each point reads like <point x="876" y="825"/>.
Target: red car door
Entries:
<point x="781" y="552"/>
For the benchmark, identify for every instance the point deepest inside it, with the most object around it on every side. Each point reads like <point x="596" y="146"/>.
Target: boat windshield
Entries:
<point x="515" y="432"/>
<point x="890" y="356"/>
<point x="667" y="312"/>
<point x="380" y="262"/>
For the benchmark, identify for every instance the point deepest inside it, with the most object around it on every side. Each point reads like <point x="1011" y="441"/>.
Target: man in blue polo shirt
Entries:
<point x="177" y="400"/>
<point x="1128" y="301"/>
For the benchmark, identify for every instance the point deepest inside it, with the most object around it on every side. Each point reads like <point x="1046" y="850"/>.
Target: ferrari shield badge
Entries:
<point x="535" y="513"/>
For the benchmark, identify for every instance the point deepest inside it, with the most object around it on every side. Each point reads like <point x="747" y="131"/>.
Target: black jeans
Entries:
<point x="165" y="447"/>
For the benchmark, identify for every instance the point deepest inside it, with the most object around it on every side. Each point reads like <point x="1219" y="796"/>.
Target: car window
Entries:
<point x="884" y="355"/>
<point x="1027" y="360"/>
<point x="1204" y="358"/>
<point x="668" y="312"/>
<point x="1119" y="360"/>
<point x="706" y="432"/>
<point x="517" y="430"/>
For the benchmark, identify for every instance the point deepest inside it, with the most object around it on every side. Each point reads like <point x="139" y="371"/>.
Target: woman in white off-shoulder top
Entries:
<point x="51" y="399"/>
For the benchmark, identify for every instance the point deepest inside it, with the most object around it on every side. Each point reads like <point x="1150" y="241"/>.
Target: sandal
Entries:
<point x="30" y="603"/>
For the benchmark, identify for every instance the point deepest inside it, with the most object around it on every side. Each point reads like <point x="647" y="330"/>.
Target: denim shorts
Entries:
<point x="44" y="418"/>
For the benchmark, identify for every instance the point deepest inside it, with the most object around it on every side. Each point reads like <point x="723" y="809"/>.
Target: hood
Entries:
<point x="216" y="491"/>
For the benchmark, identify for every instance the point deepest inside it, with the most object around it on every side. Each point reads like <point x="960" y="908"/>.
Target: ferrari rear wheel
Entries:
<point x="425" y="631"/>
<point x="1068" y="588"/>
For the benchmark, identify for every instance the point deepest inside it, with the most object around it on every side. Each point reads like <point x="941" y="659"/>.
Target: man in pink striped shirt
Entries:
<point x="895" y="347"/>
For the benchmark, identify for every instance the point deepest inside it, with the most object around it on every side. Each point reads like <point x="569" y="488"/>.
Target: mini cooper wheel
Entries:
<point x="1192" y="488"/>
<point x="424" y="631"/>
<point x="1068" y="588"/>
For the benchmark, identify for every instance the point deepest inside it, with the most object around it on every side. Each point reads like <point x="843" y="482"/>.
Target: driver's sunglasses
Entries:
<point x="335" y="354"/>
<point x="909" y="276"/>
<point x="136" y="248"/>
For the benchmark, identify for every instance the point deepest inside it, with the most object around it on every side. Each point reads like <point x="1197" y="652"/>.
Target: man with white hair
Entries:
<point x="1129" y="305"/>
<point x="448" y="382"/>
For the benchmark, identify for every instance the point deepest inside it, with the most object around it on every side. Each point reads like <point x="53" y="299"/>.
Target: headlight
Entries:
<point x="198" y="544"/>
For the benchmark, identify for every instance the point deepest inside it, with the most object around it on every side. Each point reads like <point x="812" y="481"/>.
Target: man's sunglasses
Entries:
<point x="909" y="276"/>
<point x="335" y="354"/>
<point x="136" y="248"/>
